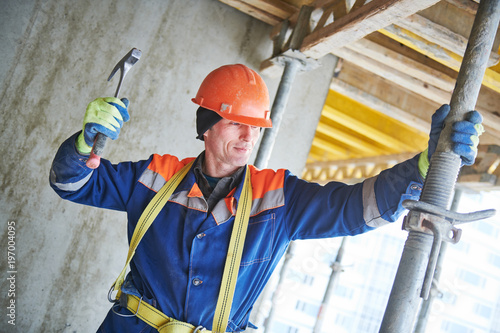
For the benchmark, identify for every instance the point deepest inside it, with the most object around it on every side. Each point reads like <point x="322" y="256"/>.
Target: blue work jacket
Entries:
<point x="178" y="264"/>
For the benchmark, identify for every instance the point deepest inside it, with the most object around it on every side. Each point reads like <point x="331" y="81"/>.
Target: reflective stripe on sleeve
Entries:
<point x="271" y="200"/>
<point x="371" y="214"/>
<point x="69" y="187"/>
<point x="152" y="179"/>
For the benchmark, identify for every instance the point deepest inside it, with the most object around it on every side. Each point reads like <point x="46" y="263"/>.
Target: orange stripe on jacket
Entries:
<point x="167" y="165"/>
<point x="265" y="181"/>
<point x="262" y="180"/>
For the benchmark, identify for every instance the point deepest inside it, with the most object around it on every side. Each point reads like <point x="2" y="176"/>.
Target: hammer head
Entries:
<point x="127" y="61"/>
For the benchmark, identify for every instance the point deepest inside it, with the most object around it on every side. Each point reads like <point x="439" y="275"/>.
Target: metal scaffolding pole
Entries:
<point x="429" y="222"/>
<point x="423" y="315"/>
<point x="293" y="62"/>
<point x="336" y="269"/>
<point x="292" y="66"/>
<point x="277" y="292"/>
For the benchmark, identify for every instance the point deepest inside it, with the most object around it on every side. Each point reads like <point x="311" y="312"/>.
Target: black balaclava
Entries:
<point x="205" y="119"/>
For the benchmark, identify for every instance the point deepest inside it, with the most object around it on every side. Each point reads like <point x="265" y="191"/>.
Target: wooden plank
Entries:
<point x="385" y="97"/>
<point x="410" y="53"/>
<point x="302" y="27"/>
<point x="325" y="17"/>
<point x="450" y="16"/>
<point x="317" y="4"/>
<point x="339" y="9"/>
<point x="253" y="11"/>
<point x="440" y="35"/>
<point x="380" y="105"/>
<point x="403" y="64"/>
<point x="465" y="5"/>
<point x="434" y="33"/>
<point x="458" y="16"/>
<point x="357" y="4"/>
<point x="359" y="23"/>
<point x="398" y="77"/>
<point x="421" y="45"/>
<point x="491" y="78"/>
<point x="488" y="103"/>
<point x="276" y="8"/>
<point x="405" y="106"/>
<point x="269" y="69"/>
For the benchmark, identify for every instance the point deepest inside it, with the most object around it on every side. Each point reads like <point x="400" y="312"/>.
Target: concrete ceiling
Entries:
<point x="399" y="60"/>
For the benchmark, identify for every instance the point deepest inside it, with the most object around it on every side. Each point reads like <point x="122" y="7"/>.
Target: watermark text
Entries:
<point x="11" y="272"/>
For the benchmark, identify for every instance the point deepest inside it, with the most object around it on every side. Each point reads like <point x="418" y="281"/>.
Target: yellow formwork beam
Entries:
<point x="330" y="147"/>
<point x="349" y="129"/>
<point x="383" y="128"/>
<point x="321" y="151"/>
<point x="366" y="130"/>
<point x="452" y="60"/>
<point x="354" y="143"/>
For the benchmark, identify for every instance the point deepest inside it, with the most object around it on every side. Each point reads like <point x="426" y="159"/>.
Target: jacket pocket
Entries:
<point x="259" y="240"/>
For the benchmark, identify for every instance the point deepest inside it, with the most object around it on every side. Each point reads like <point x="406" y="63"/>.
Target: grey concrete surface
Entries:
<point x="56" y="56"/>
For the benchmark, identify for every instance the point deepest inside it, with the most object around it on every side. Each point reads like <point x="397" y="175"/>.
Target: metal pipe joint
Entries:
<point x="440" y="223"/>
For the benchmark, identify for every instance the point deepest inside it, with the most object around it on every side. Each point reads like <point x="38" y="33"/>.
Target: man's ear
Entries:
<point x="205" y="134"/>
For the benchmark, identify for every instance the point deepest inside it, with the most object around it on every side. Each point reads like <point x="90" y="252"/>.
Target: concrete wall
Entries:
<point x="56" y="56"/>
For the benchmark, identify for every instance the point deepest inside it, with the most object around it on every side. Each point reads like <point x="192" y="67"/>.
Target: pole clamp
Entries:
<point x="439" y="222"/>
<point x="304" y="63"/>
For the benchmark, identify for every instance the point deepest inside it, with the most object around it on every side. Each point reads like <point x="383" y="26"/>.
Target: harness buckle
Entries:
<point x="126" y="316"/>
<point x="199" y="329"/>
<point x="112" y="299"/>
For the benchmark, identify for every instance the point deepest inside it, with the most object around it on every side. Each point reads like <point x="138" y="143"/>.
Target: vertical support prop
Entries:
<point x="402" y="307"/>
<point x="292" y="66"/>
<point x="425" y="308"/>
<point x="336" y="270"/>
<point x="277" y="293"/>
<point x="293" y="62"/>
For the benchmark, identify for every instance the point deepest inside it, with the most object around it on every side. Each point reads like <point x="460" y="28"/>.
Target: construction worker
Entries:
<point x="179" y="265"/>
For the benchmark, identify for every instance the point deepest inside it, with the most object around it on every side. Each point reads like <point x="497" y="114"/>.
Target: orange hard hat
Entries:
<point x="237" y="93"/>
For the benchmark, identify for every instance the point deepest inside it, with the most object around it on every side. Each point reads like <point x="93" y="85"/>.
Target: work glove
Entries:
<point x="103" y="115"/>
<point x="464" y="137"/>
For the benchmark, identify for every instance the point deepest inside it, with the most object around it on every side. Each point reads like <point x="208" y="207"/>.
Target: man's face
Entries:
<point x="228" y="146"/>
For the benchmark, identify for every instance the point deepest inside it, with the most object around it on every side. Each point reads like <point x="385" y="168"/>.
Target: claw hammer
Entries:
<point x="124" y="66"/>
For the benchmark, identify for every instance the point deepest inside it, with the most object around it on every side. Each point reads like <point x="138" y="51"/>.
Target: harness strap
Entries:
<point x="147" y="217"/>
<point x="155" y="317"/>
<point x="233" y="258"/>
<point x="159" y="320"/>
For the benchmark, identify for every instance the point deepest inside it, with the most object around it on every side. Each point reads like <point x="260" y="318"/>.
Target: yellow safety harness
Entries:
<point x="153" y="316"/>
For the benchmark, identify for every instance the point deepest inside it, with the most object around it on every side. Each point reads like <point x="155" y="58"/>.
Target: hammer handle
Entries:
<point x="100" y="140"/>
<point x="97" y="150"/>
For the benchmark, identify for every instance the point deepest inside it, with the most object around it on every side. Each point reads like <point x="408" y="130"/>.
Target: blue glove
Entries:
<point x="464" y="137"/>
<point x="103" y="115"/>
